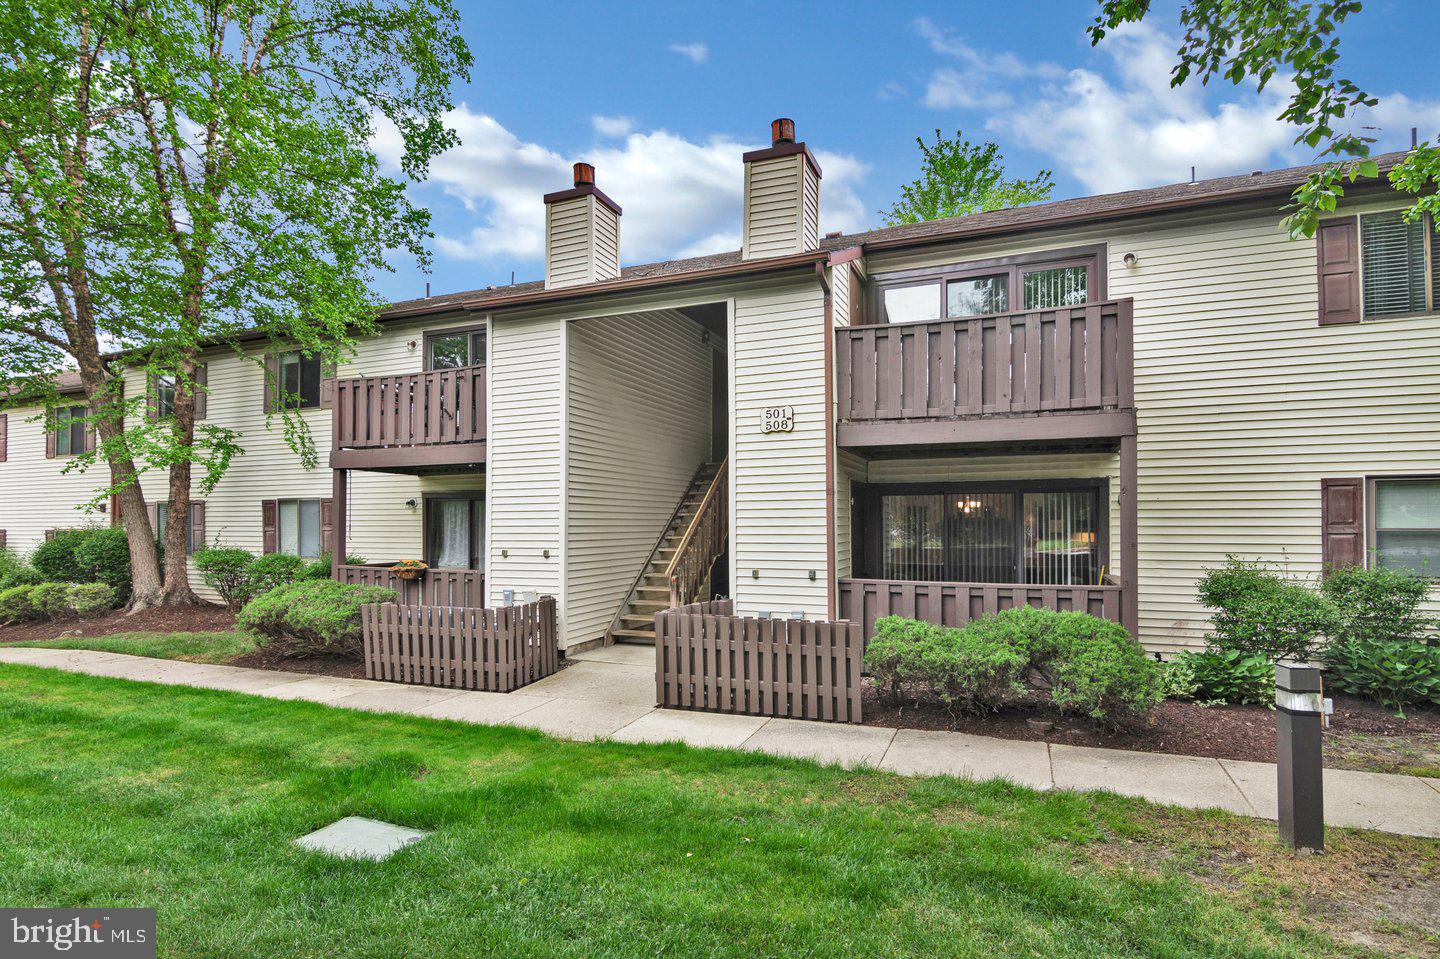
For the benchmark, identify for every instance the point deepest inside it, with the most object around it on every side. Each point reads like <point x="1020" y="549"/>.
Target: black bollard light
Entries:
<point x="1299" y="708"/>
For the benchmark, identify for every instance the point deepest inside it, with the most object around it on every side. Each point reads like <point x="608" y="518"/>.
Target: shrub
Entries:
<point x="10" y="561"/>
<point x="1394" y="672"/>
<point x="1230" y="676"/>
<point x="322" y="568"/>
<point x="892" y="656"/>
<point x="55" y="558"/>
<point x="312" y="617"/>
<point x="971" y="670"/>
<point x="1177" y="679"/>
<point x="50" y="600"/>
<point x="21" y="576"/>
<point x="1025" y="628"/>
<point x="92" y="599"/>
<point x="1377" y="605"/>
<point x="274" y="569"/>
<point x="229" y="572"/>
<point x="103" y="556"/>
<point x="1260" y="612"/>
<point x="1098" y="670"/>
<point x="15" y="604"/>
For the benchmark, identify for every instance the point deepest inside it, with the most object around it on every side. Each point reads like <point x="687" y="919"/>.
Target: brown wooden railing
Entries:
<point x="1065" y="359"/>
<point x="708" y="658"/>
<point x="463" y="648"/>
<point x="703" y="542"/>
<point x="955" y="604"/>
<point x="414" y="409"/>
<point x="435" y="587"/>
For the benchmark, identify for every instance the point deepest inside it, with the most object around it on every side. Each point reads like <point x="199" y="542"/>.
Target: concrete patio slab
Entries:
<point x="578" y="718"/>
<point x="624" y="654"/>
<point x="394" y="698"/>
<point x="843" y="743"/>
<point x="1402" y="804"/>
<point x="600" y="682"/>
<point x="356" y="837"/>
<point x="486" y="708"/>
<point x="1160" y="777"/>
<point x="926" y="752"/>
<point x="692" y="728"/>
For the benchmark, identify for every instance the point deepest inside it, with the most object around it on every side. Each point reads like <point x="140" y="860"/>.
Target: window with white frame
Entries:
<point x="298" y="529"/>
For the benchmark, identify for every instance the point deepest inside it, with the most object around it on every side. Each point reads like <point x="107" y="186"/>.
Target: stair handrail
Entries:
<point x="702" y="543"/>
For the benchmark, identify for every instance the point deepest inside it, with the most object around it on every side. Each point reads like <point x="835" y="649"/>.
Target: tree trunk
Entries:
<point x="177" y="591"/>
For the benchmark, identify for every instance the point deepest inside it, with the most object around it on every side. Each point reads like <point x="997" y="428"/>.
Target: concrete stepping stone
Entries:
<point x="356" y="837"/>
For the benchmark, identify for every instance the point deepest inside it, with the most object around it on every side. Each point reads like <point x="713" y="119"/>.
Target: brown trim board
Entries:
<point x="1013" y="429"/>
<point x="400" y="457"/>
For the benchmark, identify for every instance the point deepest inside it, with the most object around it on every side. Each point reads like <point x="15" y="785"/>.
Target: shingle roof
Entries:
<point x="1106" y="206"/>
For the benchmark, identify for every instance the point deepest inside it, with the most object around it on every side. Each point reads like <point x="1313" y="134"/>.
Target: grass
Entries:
<point x="126" y="794"/>
<point x="191" y="647"/>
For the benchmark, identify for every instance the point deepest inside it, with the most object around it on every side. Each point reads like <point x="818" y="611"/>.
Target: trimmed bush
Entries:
<point x="272" y="570"/>
<point x="1097" y="669"/>
<point x="312" y="617"/>
<point x="228" y="571"/>
<point x="21" y="576"/>
<point x="892" y="657"/>
<point x="1260" y="612"/>
<point x="1230" y="676"/>
<point x="92" y="599"/>
<point x="972" y="671"/>
<point x="103" y="556"/>
<point x="15" y="604"/>
<point x="10" y="561"/>
<point x="55" y="558"/>
<point x="1377" y="605"/>
<point x="1395" y="673"/>
<point x="51" y="600"/>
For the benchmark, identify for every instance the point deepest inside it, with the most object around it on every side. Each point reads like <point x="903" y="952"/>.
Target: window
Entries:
<point x="164" y="395"/>
<point x="1397" y="264"/>
<point x="448" y="351"/>
<point x="1407" y="524"/>
<point x="300" y="380"/>
<point x="298" y="529"/>
<point x="1031" y="282"/>
<point x="987" y="533"/>
<point x="69" y="430"/>
<point x="162" y="517"/>
<point x="455" y="531"/>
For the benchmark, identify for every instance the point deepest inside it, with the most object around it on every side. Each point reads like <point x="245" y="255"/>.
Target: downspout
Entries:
<point x="829" y="339"/>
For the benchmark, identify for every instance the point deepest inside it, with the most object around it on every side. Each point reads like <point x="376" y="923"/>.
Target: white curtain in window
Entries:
<point x="452" y="549"/>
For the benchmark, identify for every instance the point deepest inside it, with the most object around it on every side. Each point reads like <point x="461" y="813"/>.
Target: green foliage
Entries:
<point x="92" y="599"/>
<point x="228" y="571"/>
<point x="103" y="555"/>
<point x="55" y="558"/>
<point x="16" y="605"/>
<point x="21" y="576"/>
<point x="892" y="657"/>
<point x="51" y="600"/>
<point x="272" y="570"/>
<point x="10" y="561"/>
<point x="1394" y="672"/>
<point x="1177" y="679"/>
<point x="1260" y="612"/>
<point x="972" y="671"/>
<point x="312" y="617"/>
<point x="959" y="177"/>
<point x="1377" y="605"/>
<point x="1098" y="670"/>
<point x="316" y="569"/>
<point x="1229" y="676"/>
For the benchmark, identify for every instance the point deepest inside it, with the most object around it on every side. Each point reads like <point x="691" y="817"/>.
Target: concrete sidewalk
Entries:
<point x="610" y="693"/>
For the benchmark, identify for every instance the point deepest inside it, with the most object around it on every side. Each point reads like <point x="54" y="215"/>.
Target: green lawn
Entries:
<point x="192" y="647"/>
<point x="125" y="794"/>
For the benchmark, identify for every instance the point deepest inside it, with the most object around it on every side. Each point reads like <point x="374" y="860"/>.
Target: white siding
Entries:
<point x="36" y="494"/>
<point x="809" y="207"/>
<point x="639" y="427"/>
<point x="570" y="242"/>
<point x="607" y="241"/>
<point x="774" y="207"/>
<point x="778" y="521"/>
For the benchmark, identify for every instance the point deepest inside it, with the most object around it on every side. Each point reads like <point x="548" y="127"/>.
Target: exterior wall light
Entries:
<point x="1131" y="260"/>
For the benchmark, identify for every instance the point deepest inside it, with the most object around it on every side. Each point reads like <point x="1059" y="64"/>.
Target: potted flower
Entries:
<point x="409" y="569"/>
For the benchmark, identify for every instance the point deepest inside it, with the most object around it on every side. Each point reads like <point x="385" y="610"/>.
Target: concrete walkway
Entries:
<point x="610" y="693"/>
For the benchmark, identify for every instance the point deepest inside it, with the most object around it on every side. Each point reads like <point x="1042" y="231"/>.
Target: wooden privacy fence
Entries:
<point x="707" y="658"/>
<point x="435" y="587"/>
<point x="954" y="604"/>
<point x="413" y="409"/>
<point x="1068" y="358"/>
<point x="498" y="649"/>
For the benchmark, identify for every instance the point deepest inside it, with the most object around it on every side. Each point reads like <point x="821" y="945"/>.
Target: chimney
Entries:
<point x="582" y="233"/>
<point x="782" y="196"/>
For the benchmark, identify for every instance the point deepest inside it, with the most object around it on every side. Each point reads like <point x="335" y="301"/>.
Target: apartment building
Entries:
<point x="1081" y="404"/>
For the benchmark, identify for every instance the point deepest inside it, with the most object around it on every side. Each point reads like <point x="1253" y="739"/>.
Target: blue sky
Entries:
<point x="664" y="98"/>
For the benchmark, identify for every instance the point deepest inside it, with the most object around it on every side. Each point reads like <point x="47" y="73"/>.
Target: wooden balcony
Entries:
<point x="414" y="422"/>
<point x="955" y="604"/>
<point x="435" y="587"/>
<point x="1061" y="375"/>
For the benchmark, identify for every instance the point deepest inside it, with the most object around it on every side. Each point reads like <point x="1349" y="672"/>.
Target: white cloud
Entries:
<point x="981" y="80"/>
<point x="612" y="126"/>
<point x="890" y="91"/>
<point x="696" y="52"/>
<point x="681" y="197"/>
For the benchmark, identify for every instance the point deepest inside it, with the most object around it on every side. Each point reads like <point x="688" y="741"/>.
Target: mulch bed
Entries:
<point x="1219" y="732"/>
<point x="205" y="618"/>
<point x="263" y="658"/>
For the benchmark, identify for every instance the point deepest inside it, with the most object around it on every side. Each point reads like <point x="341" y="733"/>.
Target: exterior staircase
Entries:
<point x="693" y="539"/>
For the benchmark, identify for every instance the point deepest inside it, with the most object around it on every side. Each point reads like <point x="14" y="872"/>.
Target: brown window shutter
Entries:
<point x="327" y="386"/>
<point x="1342" y="512"/>
<point x="50" y="427"/>
<point x="269" y="525"/>
<point x="153" y="511"/>
<point x="272" y="382"/>
<point x="152" y="398"/>
<point x="197" y="525"/>
<point x="327" y="526"/>
<point x="4" y="436"/>
<point x="202" y="405"/>
<point x="2" y="539"/>
<point x="1337" y="252"/>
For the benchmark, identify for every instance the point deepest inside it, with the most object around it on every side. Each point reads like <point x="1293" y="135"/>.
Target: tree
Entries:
<point x="179" y="175"/>
<point x="1256" y="39"/>
<point x="959" y="177"/>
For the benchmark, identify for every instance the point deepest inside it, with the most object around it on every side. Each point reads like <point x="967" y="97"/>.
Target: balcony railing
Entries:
<point x="1074" y="358"/>
<point x="414" y="409"/>
<point x="435" y="587"/>
<point x="955" y="604"/>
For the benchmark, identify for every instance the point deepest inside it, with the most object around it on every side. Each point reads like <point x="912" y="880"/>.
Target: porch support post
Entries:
<point x="1129" y="535"/>
<point x="340" y="483"/>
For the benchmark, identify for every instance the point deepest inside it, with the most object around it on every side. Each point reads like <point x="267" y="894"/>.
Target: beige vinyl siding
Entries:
<point x="774" y="207"/>
<point x="569" y="242"/>
<point x="810" y="207"/>
<point x="778" y="524"/>
<point x="526" y="459"/>
<point x="36" y="494"/>
<point x="607" y="241"/>
<point x="639" y="427"/>
<point x="841" y="280"/>
<point x="849" y="468"/>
